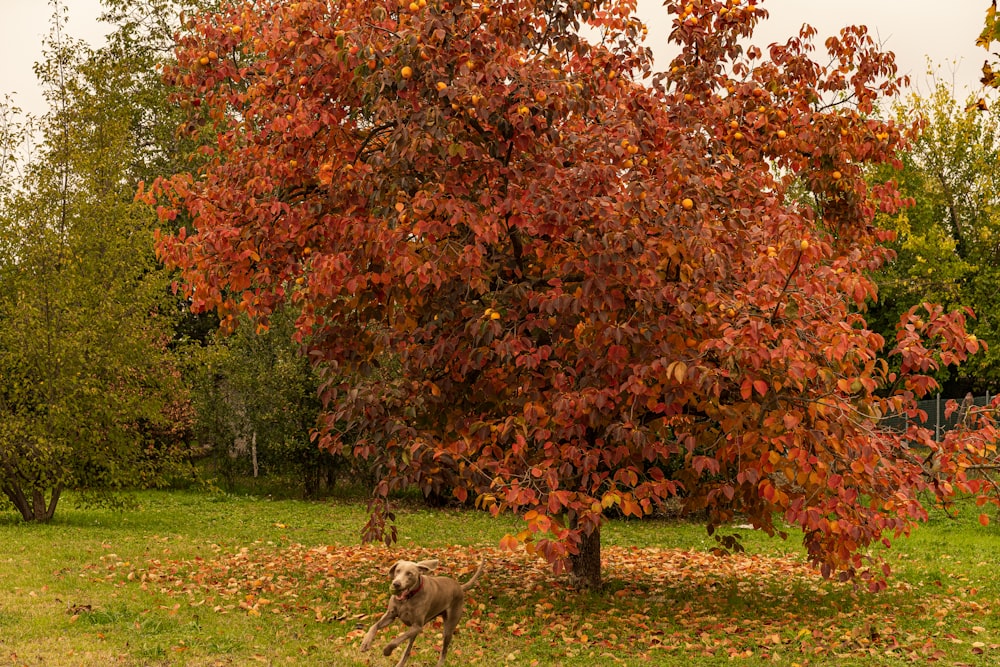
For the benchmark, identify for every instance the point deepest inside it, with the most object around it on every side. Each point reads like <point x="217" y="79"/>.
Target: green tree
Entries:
<point x="90" y="396"/>
<point x="256" y="398"/>
<point x="131" y="63"/>
<point x="948" y="242"/>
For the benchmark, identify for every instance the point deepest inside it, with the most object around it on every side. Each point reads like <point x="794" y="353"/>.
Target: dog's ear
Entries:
<point x="427" y="565"/>
<point x="392" y="570"/>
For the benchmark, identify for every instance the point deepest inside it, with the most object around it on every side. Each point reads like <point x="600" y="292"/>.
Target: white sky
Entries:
<point x="914" y="30"/>
<point x="24" y="25"/>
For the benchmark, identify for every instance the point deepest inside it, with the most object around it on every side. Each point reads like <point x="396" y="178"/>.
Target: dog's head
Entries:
<point x="405" y="575"/>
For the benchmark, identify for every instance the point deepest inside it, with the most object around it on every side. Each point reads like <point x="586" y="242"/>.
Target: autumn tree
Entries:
<point x="988" y="39"/>
<point x="90" y="399"/>
<point x="589" y="281"/>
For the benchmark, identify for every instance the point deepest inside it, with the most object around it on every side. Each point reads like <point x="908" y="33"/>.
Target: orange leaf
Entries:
<point x="509" y="543"/>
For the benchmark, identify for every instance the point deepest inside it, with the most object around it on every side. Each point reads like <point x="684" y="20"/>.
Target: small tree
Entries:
<point x="257" y="404"/>
<point x="598" y="292"/>
<point x="85" y="319"/>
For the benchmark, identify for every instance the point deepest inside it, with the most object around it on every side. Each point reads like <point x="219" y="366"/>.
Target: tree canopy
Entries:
<point x="90" y="398"/>
<point x="535" y="272"/>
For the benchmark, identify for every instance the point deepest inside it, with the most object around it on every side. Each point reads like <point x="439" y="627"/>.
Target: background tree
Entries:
<point x="137" y="48"/>
<point x="257" y="402"/>
<point x="254" y="399"/>
<point x="596" y="292"/>
<point x="947" y="242"/>
<point x="90" y="398"/>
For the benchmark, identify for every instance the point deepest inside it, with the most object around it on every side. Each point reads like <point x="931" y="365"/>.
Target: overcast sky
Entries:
<point x="914" y="30"/>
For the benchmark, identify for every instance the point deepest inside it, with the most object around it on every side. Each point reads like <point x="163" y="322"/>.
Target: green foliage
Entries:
<point x="90" y="398"/>
<point x="257" y="402"/>
<point x="948" y="242"/>
<point x="130" y="66"/>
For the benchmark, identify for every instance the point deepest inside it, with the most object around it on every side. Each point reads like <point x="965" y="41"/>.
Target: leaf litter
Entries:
<point x="657" y="602"/>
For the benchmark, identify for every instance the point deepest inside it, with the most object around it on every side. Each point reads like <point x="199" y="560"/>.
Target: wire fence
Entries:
<point x="935" y="408"/>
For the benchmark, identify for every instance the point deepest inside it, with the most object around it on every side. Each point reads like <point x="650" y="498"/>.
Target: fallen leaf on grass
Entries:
<point x="666" y="600"/>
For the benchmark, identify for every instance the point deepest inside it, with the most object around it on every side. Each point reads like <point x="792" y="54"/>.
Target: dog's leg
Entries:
<point x="451" y="618"/>
<point x="406" y="652"/>
<point x="444" y="647"/>
<point x="409" y="635"/>
<point x="387" y="619"/>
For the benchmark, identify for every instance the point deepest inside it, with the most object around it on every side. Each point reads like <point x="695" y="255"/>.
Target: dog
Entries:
<point x="417" y="600"/>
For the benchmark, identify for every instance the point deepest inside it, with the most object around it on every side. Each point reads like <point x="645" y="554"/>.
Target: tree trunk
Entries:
<point x="17" y="499"/>
<point x="586" y="565"/>
<point x="45" y="511"/>
<point x="253" y="453"/>
<point x="33" y="509"/>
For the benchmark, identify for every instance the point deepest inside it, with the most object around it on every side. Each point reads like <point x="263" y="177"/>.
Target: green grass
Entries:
<point x="191" y="578"/>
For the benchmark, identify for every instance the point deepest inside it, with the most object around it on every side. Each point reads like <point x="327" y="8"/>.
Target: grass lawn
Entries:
<point x="200" y="579"/>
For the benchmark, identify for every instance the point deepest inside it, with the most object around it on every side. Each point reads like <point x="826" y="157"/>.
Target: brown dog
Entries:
<point x="417" y="600"/>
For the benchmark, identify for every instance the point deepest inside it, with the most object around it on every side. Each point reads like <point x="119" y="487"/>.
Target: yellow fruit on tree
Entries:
<point x="406" y="72"/>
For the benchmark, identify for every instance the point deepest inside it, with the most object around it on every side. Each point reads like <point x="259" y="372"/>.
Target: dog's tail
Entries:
<point x="472" y="582"/>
